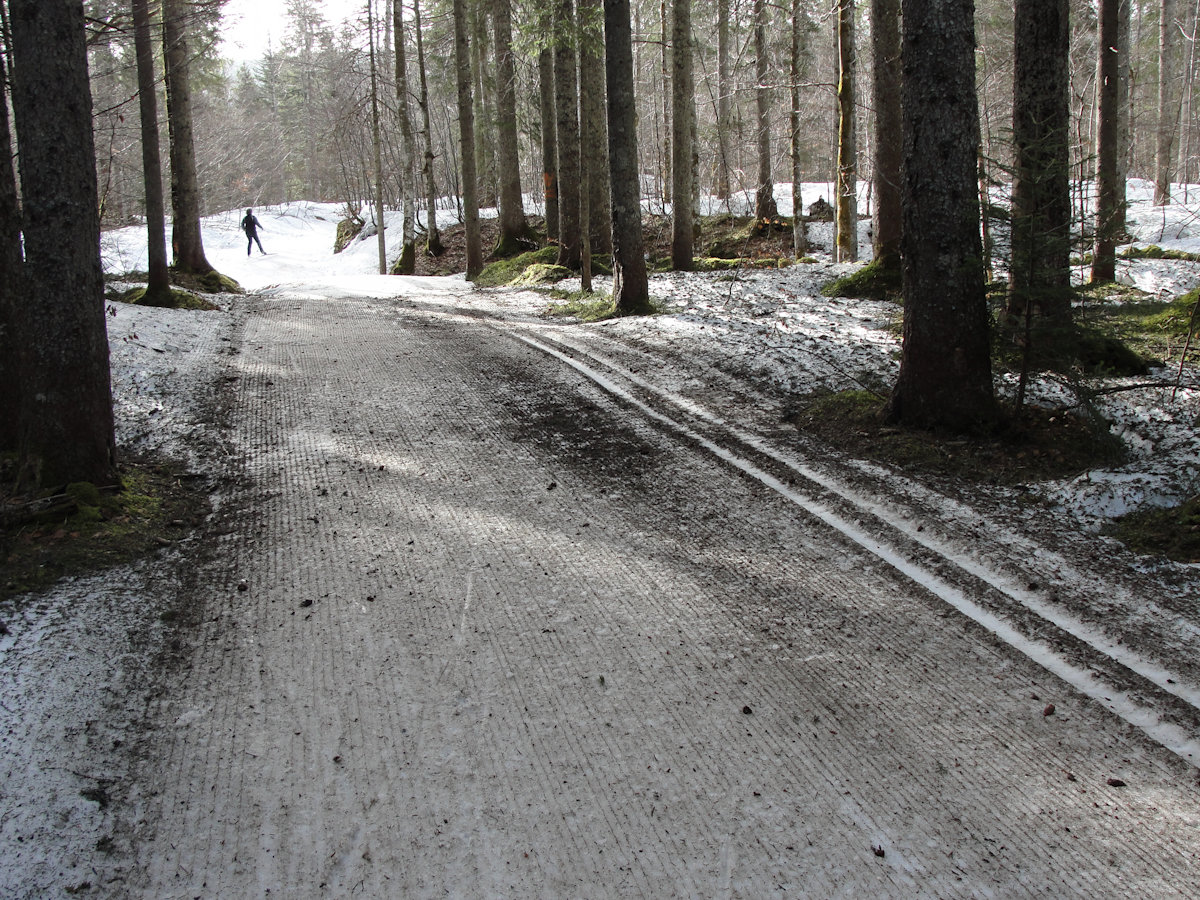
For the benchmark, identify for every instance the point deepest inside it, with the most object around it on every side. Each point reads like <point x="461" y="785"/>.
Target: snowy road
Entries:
<point x="478" y="627"/>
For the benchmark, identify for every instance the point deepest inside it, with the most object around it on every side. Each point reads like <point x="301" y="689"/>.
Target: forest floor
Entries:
<point x="494" y="604"/>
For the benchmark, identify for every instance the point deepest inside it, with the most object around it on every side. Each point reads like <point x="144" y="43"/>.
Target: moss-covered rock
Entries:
<point x="505" y="271"/>
<point x="874" y="281"/>
<point x="347" y="230"/>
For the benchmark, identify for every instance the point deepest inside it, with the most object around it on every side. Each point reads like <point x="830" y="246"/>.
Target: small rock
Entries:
<point x="243" y="586"/>
<point x="1115" y="782"/>
<point x="1049" y="710"/>
<point x="747" y="711"/>
<point x="305" y="603"/>
<point x="878" y="851"/>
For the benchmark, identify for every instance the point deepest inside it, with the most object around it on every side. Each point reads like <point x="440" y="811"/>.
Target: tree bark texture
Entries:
<point x="799" y="226"/>
<point x="466" y="132"/>
<point x="1039" y="273"/>
<point x="566" y="104"/>
<point x="549" y="142"/>
<point x="885" y="67"/>
<point x="1104" y="249"/>
<point x="66" y="431"/>
<point x="724" y="100"/>
<point x="945" y="378"/>
<point x="1168" y="108"/>
<point x="158" y="287"/>
<point x="847" y="164"/>
<point x="376" y="144"/>
<point x="433" y="237"/>
<point x="515" y="233"/>
<point x="408" y="187"/>
<point x="764" y="198"/>
<point x="11" y="303"/>
<point x="593" y="125"/>
<point x="682" y="111"/>
<point x="187" y="243"/>
<point x="631" y="292"/>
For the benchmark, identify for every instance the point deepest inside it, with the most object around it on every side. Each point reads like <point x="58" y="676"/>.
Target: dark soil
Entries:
<point x="68" y="535"/>
<point x="1032" y="445"/>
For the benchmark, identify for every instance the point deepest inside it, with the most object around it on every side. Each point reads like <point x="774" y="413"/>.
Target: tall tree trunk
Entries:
<point x="376" y="143"/>
<point x="485" y="141"/>
<point x="12" y="324"/>
<point x="187" y="243"/>
<point x="682" y="110"/>
<point x="799" y="50"/>
<point x="847" y="170"/>
<point x="945" y="378"/>
<point x="1039" y="271"/>
<point x="515" y="233"/>
<point x="406" y="265"/>
<point x="665" y="48"/>
<point x="723" y="100"/>
<point x="549" y="142"/>
<point x="433" y="237"/>
<point x="566" y="103"/>
<point x="1104" y="250"/>
<point x="466" y="131"/>
<point x="1168" y="109"/>
<point x="1124" y="142"/>
<point x="764" y="198"/>
<point x="631" y="292"/>
<point x="885" y="58"/>
<point x="593" y="126"/>
<point x="158" y="287"/>
<point x="66" y="430"/>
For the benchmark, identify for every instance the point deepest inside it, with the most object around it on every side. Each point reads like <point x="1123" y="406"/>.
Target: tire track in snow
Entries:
<point x="715" y="436"/>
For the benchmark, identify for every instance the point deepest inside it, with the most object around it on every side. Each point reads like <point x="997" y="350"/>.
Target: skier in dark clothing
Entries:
<point x="250" y="225"/>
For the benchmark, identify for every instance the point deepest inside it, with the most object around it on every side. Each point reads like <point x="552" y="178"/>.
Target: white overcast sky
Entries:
<point x="247" y="25"/>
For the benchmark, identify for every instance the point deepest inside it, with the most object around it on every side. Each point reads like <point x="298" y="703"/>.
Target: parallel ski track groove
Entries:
<point x="1011" y="614"/>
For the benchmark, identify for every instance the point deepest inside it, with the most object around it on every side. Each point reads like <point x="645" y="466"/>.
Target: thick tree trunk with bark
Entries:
<point x="466" y="131"/>
<point x="764" y="198"/>
<point x="549" y="142"/>
<point x="799" y="226"/>
<point x="1168" y="108"/>
<point x="433" y="237"/>
<point x="11" y="302"/>
<point x="376" y="145"/>
<point x="158" y="286"/>
<point x="566" y="104"/>
<point x="406" y="265"/>
<point x="187" y="243"/>
<point x="945" y="378"/>
<point x="885" y="60"/>
<point x="846" y="249"/>
<point x="515" y="234"/>
<point x="631" y="292"/>
<point x="682" y="111"/>
<point x="1104" y="250"/>
<point x="1039" y="273"/>
<point x="593" y="127"/>
<point x="724" y="105"/>
<point x="66" y="431"/>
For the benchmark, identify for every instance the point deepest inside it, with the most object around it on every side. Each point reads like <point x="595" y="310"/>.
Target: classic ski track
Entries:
<point x="355" y="722"/>
<point x="736" y="447"/>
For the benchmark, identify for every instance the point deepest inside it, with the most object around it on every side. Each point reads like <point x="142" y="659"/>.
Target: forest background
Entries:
<point x="296" y="123"/>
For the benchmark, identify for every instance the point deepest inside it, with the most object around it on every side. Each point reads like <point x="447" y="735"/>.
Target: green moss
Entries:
<point x="1173" y="533"/>
<point x="873" y="281"/>
<point x="505" y="272"/>
<point x="88" y="529"/>
<point x="1031" y="444"/>
<point x="1179" y="318"/>
<point x="176" y="299"/>
<point x="1153" y="251"/>
<point x="406" y="263"/>
<point x="540" y="274"/>
<point x="585" y="307"/>
<point x="347" y="230"/>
